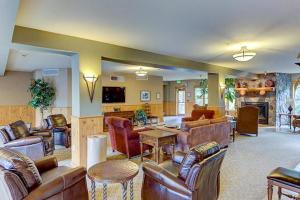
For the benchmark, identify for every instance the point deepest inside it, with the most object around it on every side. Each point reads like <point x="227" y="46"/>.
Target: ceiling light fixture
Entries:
<point x="141" y="72"/>
<point x="244" y="55"/>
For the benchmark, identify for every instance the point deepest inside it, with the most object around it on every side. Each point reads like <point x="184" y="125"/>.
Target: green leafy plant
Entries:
<point x="42" y="95"/>
<point x="140" y="116"/>
<point x="230" y="89"/>
<point x="203" y="89"/>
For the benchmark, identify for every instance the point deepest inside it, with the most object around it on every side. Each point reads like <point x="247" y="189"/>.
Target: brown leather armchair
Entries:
<point x="197" y="113"/>
<point x="247" y="120"/>
<point x="122" y="136"/>
<point x="193" y="176"/>
<point x="35" y="144"/>
<point x="60" y="128"/>
<point x="21" y="178"/>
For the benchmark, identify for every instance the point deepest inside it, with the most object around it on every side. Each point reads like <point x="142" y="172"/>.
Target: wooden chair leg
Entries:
<point x="279" y="193"/>
<point x="270" y="191"/>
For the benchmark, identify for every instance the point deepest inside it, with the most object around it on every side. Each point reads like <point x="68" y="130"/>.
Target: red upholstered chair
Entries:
<point x="196" y="114"/>
<point x="122" y="136"/>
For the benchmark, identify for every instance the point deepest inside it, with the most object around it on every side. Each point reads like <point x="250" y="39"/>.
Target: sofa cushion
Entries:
<point x="19" y="129"/>
<point x="186" y="126"/>
<point x="218" y="120"/>
<point x="58" y="120"/>
<point x="22" y="166"/>
<point x="10" y="133"/>
<point x="4" y="136"/>
<point x="195" y="155"/>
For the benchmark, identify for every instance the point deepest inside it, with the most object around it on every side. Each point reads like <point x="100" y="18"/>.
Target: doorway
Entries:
<point x="180" y="102"/>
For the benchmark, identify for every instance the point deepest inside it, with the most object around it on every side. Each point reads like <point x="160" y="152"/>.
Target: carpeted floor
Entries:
<point x="247" y="163"/>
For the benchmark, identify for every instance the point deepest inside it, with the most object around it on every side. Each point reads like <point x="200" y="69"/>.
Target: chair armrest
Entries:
<point x="46" y="164"/>
<point x="43" y="133"/>
<point x="24" y="141"/>
<point x="165" y="178"/>
<point x="57" y="185"/>
<point x="185" y="119"/>
<point x="178" y="157"/>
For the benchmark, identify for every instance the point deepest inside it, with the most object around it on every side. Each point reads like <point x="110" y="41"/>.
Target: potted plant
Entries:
<point x="140" y="117"/>
<point x="42" y="95"/>
<point x="229" y="91"/>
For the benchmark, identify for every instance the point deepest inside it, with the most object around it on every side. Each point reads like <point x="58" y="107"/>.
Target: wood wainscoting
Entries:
<point x="12" y="113"/>
<point x="156" y="109"/>
<point x="66" y="111"/>
<point x="82" y="127"/>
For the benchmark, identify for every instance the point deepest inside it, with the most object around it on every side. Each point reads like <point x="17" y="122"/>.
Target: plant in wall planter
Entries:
<point x="140" y="117"/>
<point x="42" y="95"/>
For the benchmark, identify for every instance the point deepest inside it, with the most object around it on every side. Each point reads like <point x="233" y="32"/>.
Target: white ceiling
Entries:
<point x="206" y="30"/>
<point x="25" y="60"/>
<point x="167" y="74"/>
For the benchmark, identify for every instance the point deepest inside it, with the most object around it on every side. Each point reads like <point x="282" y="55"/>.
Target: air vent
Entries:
<point x="50" y="72"/>
<point x="117" y="78"/>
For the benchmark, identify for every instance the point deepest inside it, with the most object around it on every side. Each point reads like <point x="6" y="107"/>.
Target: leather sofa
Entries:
<point x="60" y="128"/>
<point x="218" y="132"/>
<point x="21" y="178"/>
<point x="123" y="138"/>
<point x="34" y="144"/>
<point x="191" y="176"/>
<point x="197" y="113"/>
<point x="247" y="120"/>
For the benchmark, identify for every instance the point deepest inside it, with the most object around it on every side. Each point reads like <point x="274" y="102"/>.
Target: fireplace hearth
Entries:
<point x="263" y="116"/>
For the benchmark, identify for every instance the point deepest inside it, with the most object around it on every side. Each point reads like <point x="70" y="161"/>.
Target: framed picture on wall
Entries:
<point x="145" y="95"/>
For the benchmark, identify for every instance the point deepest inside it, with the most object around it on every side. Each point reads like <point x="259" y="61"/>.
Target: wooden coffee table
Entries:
<point x="113" y="171"/>
<point x="157" y="138"/>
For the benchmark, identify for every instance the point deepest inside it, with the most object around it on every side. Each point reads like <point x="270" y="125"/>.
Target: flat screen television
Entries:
<point x="113" y="94"/>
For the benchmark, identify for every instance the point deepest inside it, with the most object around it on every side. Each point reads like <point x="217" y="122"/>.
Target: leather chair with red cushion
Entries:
<point x="122" y="136"/>
<point x="196" y="114"/>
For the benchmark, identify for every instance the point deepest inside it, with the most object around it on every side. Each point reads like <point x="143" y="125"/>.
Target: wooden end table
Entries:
<point x="157" y="138"/>
<point x="113" y="171"/>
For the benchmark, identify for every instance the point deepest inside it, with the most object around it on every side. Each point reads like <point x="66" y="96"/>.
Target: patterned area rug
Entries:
<point x="247" y="163"/>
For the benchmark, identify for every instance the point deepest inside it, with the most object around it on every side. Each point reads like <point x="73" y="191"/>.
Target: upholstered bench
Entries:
<point x="284" y="178"/>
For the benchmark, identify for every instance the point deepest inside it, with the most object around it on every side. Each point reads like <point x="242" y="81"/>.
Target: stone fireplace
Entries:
<point x="263" y="116"/>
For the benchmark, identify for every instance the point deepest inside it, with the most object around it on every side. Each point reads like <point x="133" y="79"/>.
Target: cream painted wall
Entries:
<point x="13" y="88"/>
<point x="133" y="87"/>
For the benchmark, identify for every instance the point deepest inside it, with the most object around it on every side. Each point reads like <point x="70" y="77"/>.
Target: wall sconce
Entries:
<point x="91" y="85"/>
<point x="222" y="89"/>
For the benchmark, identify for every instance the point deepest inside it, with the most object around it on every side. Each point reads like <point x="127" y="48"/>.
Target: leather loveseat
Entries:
<point x="191" y="176"/>
<point x="34" y="144"/>
<point x="21" y="178"/>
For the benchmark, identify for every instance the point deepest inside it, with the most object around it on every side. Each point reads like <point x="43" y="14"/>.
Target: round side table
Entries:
<point x="113" y="171"/>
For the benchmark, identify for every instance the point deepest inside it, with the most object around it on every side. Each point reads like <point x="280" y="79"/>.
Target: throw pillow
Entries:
<point x="22" y="166"/>
<point x="4" y="136"/>
<point x="202" y="117"/>
<point x="10" y="133"/>
<point x="195" y="155"/>
<point x="19" y="129"/>
<point x="218" y="120"/>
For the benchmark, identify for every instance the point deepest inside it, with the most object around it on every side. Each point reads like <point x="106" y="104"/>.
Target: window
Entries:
<point x="297" y="100"/>
<point x="201" y="96"/>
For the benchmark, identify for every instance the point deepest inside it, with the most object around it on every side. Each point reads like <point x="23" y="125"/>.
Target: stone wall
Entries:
<point x="283" y="94"/>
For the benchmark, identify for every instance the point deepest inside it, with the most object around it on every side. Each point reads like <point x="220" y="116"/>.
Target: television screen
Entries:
<point x="113" y="95"/>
